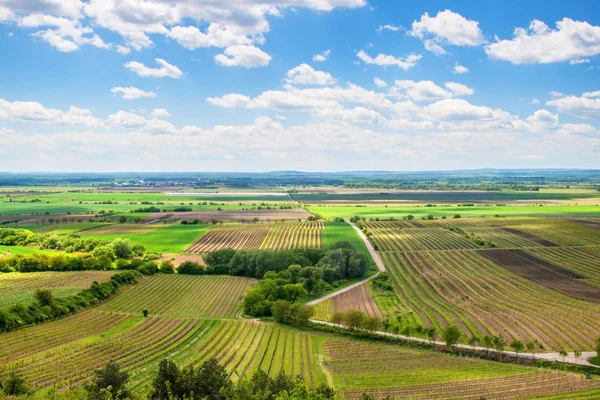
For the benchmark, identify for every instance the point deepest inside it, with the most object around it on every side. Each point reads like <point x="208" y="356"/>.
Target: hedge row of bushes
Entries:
<point x="46" y="307"/>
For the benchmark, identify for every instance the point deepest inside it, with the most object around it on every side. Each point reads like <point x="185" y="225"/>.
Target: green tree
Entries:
<point x="517" y="346"/>
<point x="598" y="345"/>
<point x="577" y="354"/>
<point x="122" y="248"/>
<point x="563" y="354"/>
<point x="44" y="297"/>
<point x="372" y="323"/>
<point x="498" y="343"/>
<point x="451" y="335"/>
<point x="15" y="385"/>
<point x="167" y="381"/>
<point x="109" y="379"/>
<point x="213" y="381"/>
<point x="354" y="319"/>
<point x="431" y="335"/>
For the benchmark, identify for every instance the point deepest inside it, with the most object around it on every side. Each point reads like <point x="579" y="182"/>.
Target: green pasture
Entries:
<point x="330" y="212"/>
<point x="341" y="231"/>
<point x="170" y="239"/>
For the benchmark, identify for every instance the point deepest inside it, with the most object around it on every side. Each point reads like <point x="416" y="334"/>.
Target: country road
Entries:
<point x="377" y="260"/>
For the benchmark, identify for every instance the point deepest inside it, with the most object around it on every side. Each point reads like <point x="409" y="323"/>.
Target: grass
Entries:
<point x="383" y="212"/>
<point x="12" y="250"/>
<point x="170" y="239"/>
<point x="594" y="360"/>
<point x="341" y="231"/>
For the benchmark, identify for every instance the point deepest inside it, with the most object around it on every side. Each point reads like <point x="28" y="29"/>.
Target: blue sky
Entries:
<point x="316" y="85"/>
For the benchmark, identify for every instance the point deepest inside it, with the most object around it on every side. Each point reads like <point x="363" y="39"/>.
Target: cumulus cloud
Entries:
<point x="321" y="57"/>
<point x="379" y="82"/>
<point x="129" y="120"/>
<point x="459" y="69"/>
<point x="459" y="89"/>
<point x="304" y="74"/>
<point x="160" y="113"/>
<point x="582" y="107"/>
<point x="66" y="35"/>
<point x="385" y="60"/>
<point x="30" y="111"/>
<point x="131" y="93"/>
<point x="542" y="120"/>
<point x="446" y="28"/>
<point x="592" y="94"/>
<point x="165" y="70"/>
<point x="243" y="56"/>
<point x="570" y="41"/>
<point x="216" y="35"/>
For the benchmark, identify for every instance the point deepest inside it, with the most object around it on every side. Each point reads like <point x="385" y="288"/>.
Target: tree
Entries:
<point x="532" y="346"/>
<point x="517" y="347"/>
<point x="354" y="319"/>
<point x="122" y="248"/>
<point x="44" y="297"/>
<point x="563" y="354"/>
<point x="431" y="335"/>
<point x="337" y="318"/>
<point x="213" y="381"/>
<point x="486" y="342"/>
<point x="598" y="345"/>
<point x="122" y="219"/>
<point x="451" y="335"/>
<point x="372" y="323"/>
<point x="167" y="382"/>
<point x="15" y="385"/>
<point x="498" y="343"/>
<point x="577" y="354"/>
<point x="473" y="341"/>
<point x="109" y="379"/>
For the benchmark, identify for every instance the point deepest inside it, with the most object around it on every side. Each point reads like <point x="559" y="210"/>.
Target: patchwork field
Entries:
<point x="540" y="282"/>
<point x="182" y="296"/>
<point x="20" y="288"/>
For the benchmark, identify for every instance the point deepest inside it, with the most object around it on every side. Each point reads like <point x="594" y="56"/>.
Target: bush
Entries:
<point x="191" y="268"/>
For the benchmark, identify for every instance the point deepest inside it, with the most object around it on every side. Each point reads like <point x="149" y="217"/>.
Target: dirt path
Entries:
<point x="374" y="254"/>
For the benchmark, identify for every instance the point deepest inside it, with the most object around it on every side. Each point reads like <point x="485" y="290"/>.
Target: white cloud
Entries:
<point x="131" y="93"/>
<point x="5" y="14"/>
<point x="304" y="74"/>
<point x="321" y="56"/>
<point x="571" y="40"/>
<point x="579" y="61"/>
<point x="129" y="120"/>
<point x="30" y="111"/>
<point x="542" y="120"/>
<point x="459" y="89"/>
<point x="166" y="69"/>
<point x="216" y="35"/>
<point x="582" y="107"/>
<point x="419" y="91"/>
<point x="460" y="110"/>
<point x="160" y="113"/>
<point x="556" y="94"/>
<point x="379" y="82"/>
<point x="62" y="8"/>
<point x="385" y="60"/>
<point x="592" y="94"/>
<point x="459" y="69"/>
<point x="243" y="56"/>
<point x="68" y="34"/>
<point x="392" y="28"/>
<point x="534" y="101"/>
<point x="446" y="27"/>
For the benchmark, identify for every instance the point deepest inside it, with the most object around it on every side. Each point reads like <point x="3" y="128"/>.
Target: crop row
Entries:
<point x="541" y="383"/>
<point x="577" y="259"/>
<point x="182" y="296"/>
<point x="563" y="233"/>
<point x="419" y="239"/>
<point x="34" y="339"/>
<point x="243" y="347"/>
<point x="16" y="287"/>
<point x="408" y="373"/>
<point x="282" y="238"/>
<point x="500" y="238"/>
<point x="72" y="364"/>
<point x="465" y="289"/>
<point x="237" y="239"/>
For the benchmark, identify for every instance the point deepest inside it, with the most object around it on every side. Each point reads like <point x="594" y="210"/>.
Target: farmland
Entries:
<point x="387" y="371"/>
<point x="20" y="288"/>
<point x="189" y="296"/>
<point x="445" y="277"/>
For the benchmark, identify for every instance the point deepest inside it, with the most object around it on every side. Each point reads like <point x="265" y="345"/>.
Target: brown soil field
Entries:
<point x="528" y="236"/>
<point x="233" y="215"/>
<point x="549" y="275"/>
<point x="359" y="298"/>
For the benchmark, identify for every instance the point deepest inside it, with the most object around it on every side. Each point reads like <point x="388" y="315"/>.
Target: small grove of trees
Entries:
<point x="356" y="319"/>
<point x="289" y="313"/>
<point x="210" y="381"/>
<point x="451" y="336"/>
<point x="45" y="307"/>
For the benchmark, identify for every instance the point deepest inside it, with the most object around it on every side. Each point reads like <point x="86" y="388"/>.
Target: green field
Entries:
<point x="395" y="211"/>
<point x="168" y="239"/>
<point x="341" y="231"/>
